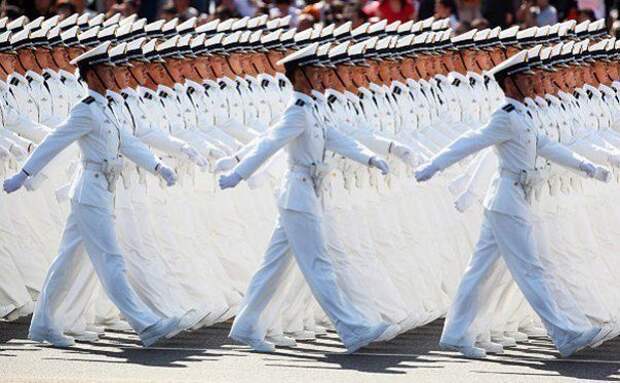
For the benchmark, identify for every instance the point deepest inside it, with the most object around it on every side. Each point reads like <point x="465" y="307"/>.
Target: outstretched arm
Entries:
<point x="498" y="130"/>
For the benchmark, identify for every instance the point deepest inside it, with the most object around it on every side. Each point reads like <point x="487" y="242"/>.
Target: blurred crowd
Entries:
<point x="464" y="14"/>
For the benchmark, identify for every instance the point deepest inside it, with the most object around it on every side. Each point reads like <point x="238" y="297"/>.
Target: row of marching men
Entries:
<point x="198" y="104"/>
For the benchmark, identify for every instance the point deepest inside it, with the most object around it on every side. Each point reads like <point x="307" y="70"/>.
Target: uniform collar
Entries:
<point x="616" y="85"/>
<point x="531" y="103"/>
<point x="18" y="77"/>
<point x="265" y="77"/>
<point x="376" y="88"/>
<point x="99" y="98"/>
<point x="193" y="84"/>
<point x="3" y="86"/>
<point x="607" y="90"/>
<point x="180" y="88"/>
<point x="333" y="92"/>
<point x="303" y="97"/>
<point x="519" y="106"/>
<point x="165" y="90"/>
<point x="115" y="96"/>
<point x="351" y="96"/>
<point x="52" y="73"/>
<point x="34" y="76"/>
<point x="554" y="100"/>
<point x="143" y="91"/>
<point x="211" y="84"/>
<point x="365" y="92"/>
<point x="129" y="92"/>
<point x="67" y="75"/>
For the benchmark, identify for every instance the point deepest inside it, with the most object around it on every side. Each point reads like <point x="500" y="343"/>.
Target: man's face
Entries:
<point x="75" y="52"/>
<point x="372" y="73"/>
<point x="140" y="73"/>
<point x="384" y="71"/>
<point x="407" y="66"/>
<point x="484" y="60"/>
<point x="358" y="75"/>
<point x="565" y="79"/>
<point x="331" y="80"/>
<point x="315" y="76"/>
<point x="469" y="58"/>
<point x="300" y="82"/>
<point x="275" y="56"/>
<point x="600" y="70"/>
<point x="45" y="59"/>
<point x="29" y="62"/>
<point x="124" y="79"/>
<point x="511" y="51"/>
<point x="344" y="72"/>
<point x="525" y="83"/>
<point x="613" y="70"/>
<point x="202" y="66"/>
<point x="8" y="62"/>
<point x="220" y="67"/>
<point x="61" y="57"/>
<point x="159" y="74"/>
<point x="106" y="75"/>
<point x="498" y="55"/>
<point x="234" y="60"/>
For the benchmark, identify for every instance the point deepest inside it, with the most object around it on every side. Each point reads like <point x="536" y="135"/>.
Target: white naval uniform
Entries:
<point x="299" y="227"/>
<point x="90" y="225"/>
<point x="507" y="231"/>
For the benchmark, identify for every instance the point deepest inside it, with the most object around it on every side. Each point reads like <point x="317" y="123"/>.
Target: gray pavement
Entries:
<point x="209" y="356"/>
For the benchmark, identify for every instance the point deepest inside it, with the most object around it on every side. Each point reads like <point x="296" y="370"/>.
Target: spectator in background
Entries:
<point x="426" y="9"/>
<point x="124" y="7"/>
<point x="184" y="9"/>
<point x="355" y="13"/>
<point x="545" y="13"/>
<point x="392" y="10"/>
<point x="586" y="14"/>
<point x="65" y="8"/>
<point x="37" y="8"/>
<point x="281" y="8"/>
<point x="322" y="11"/>
<point x="447" y="9"/>
<point x="468" y="10"/>
<point x="499" y="12"/>
<point x="168" y="12"/>
<point x="306" y="21"/>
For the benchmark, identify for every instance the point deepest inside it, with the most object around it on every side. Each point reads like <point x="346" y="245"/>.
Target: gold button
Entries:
<point x="96" y="175"/>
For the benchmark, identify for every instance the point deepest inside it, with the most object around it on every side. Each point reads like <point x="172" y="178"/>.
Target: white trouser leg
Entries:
<point x="92" y="229"/>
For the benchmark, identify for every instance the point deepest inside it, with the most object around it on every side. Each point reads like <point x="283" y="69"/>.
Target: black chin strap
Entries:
<point x="517" y="87"/>
<point x="169" y="74"/>
<point x="462" y="60"/>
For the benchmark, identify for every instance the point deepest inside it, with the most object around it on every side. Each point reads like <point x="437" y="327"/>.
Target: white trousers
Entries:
<point x="89" y="230"/>
<point x="300" y="235"/>
<point x="511" y="239"/>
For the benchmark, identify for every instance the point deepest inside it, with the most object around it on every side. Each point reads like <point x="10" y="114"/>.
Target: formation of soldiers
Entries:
<point x="217" y="98"/>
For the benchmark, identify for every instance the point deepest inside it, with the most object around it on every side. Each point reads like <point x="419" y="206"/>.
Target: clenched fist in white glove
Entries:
<point x="379" y="163"/>
<point x="167" y="174"/>
<point x="594" y="171"/>
<point x="225" y="164"/>
<point x="15" y="183"/>
<point x="193" y="155"/>
<point x="230" y="180"/>
<point x="426" y="172"/>
<point x="464" y="201"/>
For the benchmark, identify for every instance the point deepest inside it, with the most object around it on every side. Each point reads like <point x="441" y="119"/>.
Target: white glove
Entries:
<point x="33" y="183"/>
<point x="602" y="174"/>
<point x="230" y="180"/>
<point x="464" y="201"/>
<point x="225" y="164"/>
<point x="425" y="172"/>
<point x="167" y="174"/>
<point x="614" y="160"/>
<point x="380" y="164"/>
<point x="216" y="153"/>
<point x="193" y="155"/>
<point x="14" y="183"/>
<point x="4" y="154"/>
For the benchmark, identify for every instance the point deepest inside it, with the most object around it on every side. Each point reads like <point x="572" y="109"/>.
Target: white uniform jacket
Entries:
<point x="100" y="138"/>
<point x="306" y="139"/>
<point x="517" y="143"/>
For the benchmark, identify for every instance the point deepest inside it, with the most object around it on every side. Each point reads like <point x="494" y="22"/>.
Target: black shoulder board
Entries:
<point x="46" y="75"/>
<point x="14" y="81"/>
<point x="397" y="90"/>
<point x="331" y="99"/>
<point x="281" y="83"/>
<point x="300" y="102"/>
<point x="190" y="90"/>
<point x="508" y="108"/>
<point x="472" y="81"/>
<point x="264" y="83"/>
<point x="456" y="82"/>
<point x="148" y="96"/>
<point x="163" y="94"/>
<point x="88" y="100"/>
<point x="222" y="84"/>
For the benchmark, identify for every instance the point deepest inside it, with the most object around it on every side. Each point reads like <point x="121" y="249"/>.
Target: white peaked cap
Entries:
<point x="377" y="27"/>
<point x="241" y="23"/>
<point x="405" y="27"/>
<point x="100" y="52"/>
<point x="582" y="27"/>
<point x="300" y="55"/>
<point x="129" y="19"/>
<point x="225" y="25"/>
<point x="339" y="49"/>
<point x="96" y="20"/>
<point x="114" y="19"/>
<point x="509" y="32"/>
<point x="208" y="27"/>
<point x="512" y="62"/>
